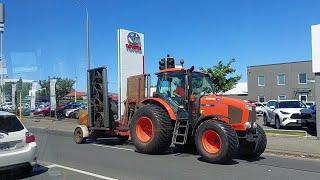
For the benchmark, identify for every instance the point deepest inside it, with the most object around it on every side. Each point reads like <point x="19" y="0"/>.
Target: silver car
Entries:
<point x="17" y="145"/>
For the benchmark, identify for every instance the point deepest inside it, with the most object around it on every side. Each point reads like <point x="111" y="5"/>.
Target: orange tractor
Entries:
<point x="183" y="111"/>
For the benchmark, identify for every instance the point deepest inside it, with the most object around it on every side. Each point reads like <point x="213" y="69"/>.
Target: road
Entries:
<point x="61" y="158"/>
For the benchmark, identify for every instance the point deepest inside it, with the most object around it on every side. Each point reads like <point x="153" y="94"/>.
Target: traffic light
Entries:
<point x="170" y="62"/>
<point x="162" y="64"/>
<point x="166" y="63"/>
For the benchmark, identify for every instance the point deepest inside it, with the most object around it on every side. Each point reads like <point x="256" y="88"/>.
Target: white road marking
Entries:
<point x="80" y="171"/>
<point x="113" y="147"/>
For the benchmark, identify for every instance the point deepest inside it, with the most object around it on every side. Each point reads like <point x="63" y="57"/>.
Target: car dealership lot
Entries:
<point x="61" y="158"/>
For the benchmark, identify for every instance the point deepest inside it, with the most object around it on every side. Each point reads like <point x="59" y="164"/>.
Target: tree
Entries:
<point x="221" y="75"/>
<point x="63" y="87"/>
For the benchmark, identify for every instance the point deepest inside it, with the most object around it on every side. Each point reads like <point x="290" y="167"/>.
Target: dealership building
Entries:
<point x="292" y="80"/>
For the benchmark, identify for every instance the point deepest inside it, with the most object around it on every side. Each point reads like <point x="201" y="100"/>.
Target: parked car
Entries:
<point x="17" y="145"/>
<point x="74" y="113"/>
<point x="42" y="110"/>
<point x="282" y="113"/>
<point x="259" y="108"/>
<point x="7" y="106"/>
<point x="309" y="103"/>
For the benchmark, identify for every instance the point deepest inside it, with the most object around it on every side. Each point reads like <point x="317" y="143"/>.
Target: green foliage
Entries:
<point x="63" y="87"/>
<point x="221" y="75"/>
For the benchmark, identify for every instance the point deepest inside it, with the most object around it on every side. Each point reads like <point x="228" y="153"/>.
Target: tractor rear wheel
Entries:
<point x="151" y="129"/>
<point x="254" y="149"/>
<point x="216" y="141"/>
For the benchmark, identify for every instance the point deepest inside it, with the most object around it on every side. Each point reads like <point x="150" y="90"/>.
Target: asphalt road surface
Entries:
<point x="61" y="158"/>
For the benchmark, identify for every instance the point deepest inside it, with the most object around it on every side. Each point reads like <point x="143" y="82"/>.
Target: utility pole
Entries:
<point x="75" y="90"/>
<point x="2" y="72"/>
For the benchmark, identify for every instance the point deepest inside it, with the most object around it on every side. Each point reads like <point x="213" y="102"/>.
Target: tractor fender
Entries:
<point x="163" y="104"/>
<point x="85" y="130"/>
<point x="202" y="118"/>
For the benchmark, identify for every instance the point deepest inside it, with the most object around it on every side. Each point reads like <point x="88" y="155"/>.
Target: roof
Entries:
<point x="284" y="100"/>
<point x="5" y="113"/>
<point x="240" y="88"/>
<point x="78" y="94"/>
<point x="280" y="63"/>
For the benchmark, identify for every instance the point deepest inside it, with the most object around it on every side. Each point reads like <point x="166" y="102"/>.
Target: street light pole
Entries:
<point x="88" y="40"/>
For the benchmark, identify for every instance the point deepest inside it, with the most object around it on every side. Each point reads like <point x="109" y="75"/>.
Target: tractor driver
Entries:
<point x="180" y="87"/>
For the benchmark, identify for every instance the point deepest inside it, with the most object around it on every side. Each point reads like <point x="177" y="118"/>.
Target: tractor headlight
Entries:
<point x="247" y="125"/>
<point x="249" y="107"/>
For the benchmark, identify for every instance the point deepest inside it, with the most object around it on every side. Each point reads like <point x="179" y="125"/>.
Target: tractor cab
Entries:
<point x="182" y="88"/>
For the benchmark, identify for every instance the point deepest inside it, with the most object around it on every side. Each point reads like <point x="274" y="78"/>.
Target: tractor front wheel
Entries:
<point x="151" y="129"/>
<point x="216" y="141"/>
<point x="254" y="149"/>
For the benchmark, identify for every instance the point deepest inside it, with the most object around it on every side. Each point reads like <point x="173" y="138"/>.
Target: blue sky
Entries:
<point x="47" y="38"/>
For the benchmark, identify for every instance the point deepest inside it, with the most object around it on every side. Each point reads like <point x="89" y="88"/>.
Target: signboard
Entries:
<point x="315" y="36"/>
<point x="53" y="102"/>
<point x="33" y="95"/>
<point x="13" y="94"/>
<point x="130" y="61"/>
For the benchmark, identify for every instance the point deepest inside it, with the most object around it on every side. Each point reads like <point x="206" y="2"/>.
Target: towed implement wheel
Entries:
<point x="78" y="136"/>
<point x="216" y="141"/>
<point x="151" y="130"/>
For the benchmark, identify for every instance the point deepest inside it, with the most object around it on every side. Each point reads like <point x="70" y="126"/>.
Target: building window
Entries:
<point x="281" y="79"/>
<point x="281" y="97"/>
<point x="261" y="81"/>
<point x="302" y="78"/>
<point x="303" y="98"/>
<point x="261" y="99"/>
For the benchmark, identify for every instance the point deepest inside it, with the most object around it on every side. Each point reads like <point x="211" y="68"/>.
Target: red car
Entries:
<point x="44" y="111"/>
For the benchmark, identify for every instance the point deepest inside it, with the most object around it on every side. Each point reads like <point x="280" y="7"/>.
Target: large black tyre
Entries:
<point x="254" y="149"/>
<point x="225" y="139"/>
<point x="157" y="138"/>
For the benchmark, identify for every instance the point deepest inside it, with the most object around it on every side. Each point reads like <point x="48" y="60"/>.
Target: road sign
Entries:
<point x="315" y="35"/>
<point x="130" y="61"/>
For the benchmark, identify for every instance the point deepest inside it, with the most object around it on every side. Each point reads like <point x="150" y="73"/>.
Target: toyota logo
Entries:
<point x="133" y="38"/>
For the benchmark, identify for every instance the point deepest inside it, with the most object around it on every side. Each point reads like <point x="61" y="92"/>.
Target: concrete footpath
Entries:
<point x="306" y="147"/>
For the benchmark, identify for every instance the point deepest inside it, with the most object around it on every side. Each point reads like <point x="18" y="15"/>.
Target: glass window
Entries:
<point x="302" y="78"/>
<point x="10" y="124"/>
<point x="291" y="104"/>
<point x="281" y="79"/>
<point x="261" y="81"/>
<point x="201" y="84"/>
<point x="261" y="99"/>
<point x="303" y="98"/>
<point x="281" y="97"/>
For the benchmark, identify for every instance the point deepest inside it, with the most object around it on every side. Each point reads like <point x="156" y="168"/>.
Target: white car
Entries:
<point x="7" y="106"/>
<point x="18" y="147"/>
<point x="287" y="113"/>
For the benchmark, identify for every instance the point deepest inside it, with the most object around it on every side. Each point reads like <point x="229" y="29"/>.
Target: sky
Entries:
<point x="45" y="38"/>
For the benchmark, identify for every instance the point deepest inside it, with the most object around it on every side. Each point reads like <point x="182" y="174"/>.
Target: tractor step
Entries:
<point x="180" y="132"/>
